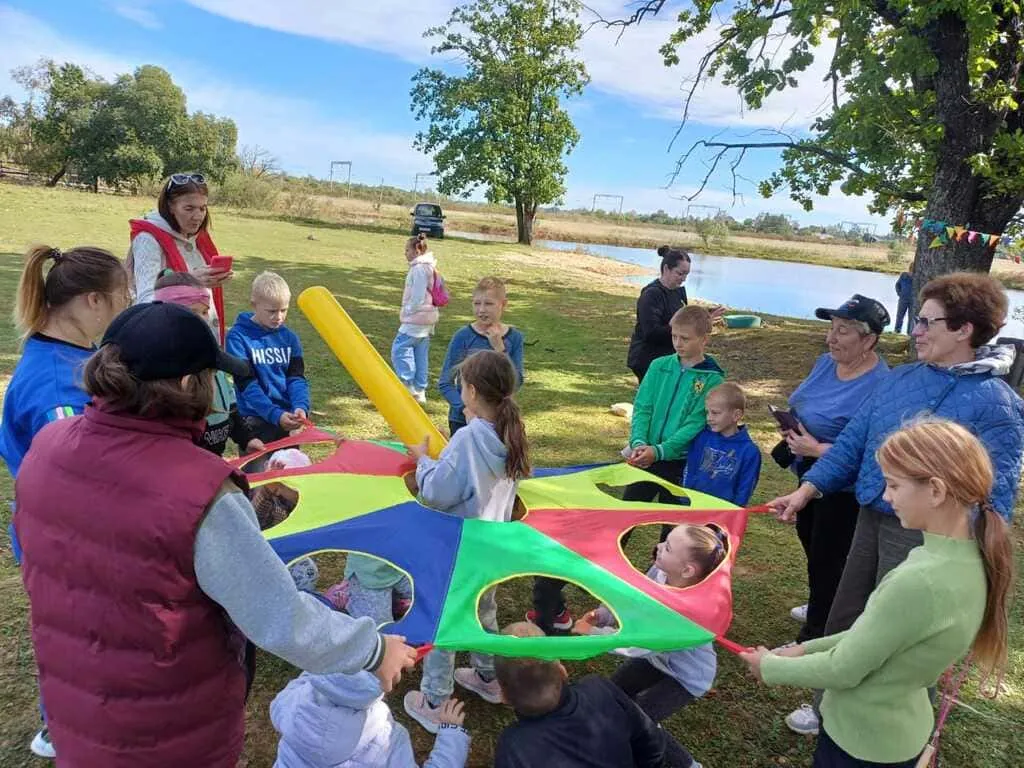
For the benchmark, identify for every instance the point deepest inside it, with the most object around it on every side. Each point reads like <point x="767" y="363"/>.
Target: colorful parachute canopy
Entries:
<point x="356" y="500"/>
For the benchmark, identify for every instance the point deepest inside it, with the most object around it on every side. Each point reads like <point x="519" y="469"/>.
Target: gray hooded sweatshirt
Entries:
<point x="341" y="721"/>
<point x="468" y="479"/>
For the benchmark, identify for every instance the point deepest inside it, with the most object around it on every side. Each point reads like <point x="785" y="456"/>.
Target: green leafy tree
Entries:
<point x="500" y="125"/>
<point x="925" y="113"/>
<point x="712" y="231"/>
<point x="128" y="131"/>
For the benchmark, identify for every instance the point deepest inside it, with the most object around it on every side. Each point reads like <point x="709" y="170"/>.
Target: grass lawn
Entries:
<point x="576" y="314"/>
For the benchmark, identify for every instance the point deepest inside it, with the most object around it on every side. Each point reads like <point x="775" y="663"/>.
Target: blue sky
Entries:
<point x="320" y="80"/>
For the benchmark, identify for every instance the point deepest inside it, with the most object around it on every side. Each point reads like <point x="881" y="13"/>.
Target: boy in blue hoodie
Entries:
<point x="723" y="461"/>
<point x="275" y="400"/>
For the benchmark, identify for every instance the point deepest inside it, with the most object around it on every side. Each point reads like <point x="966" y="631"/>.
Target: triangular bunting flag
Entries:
<point x="936" y="243"/>
<point x="959" y="232"/>
<point x="972" y="236"/>
<point x="951" y="232"/>
<point x="993" y="241"/>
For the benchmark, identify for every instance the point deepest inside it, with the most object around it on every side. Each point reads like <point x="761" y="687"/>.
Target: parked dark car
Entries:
<point x="427" y="217"/>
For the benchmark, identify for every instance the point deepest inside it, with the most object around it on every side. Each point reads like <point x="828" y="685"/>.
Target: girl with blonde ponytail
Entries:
<point x="950" y="596"/>
<point x="475" y="476"/>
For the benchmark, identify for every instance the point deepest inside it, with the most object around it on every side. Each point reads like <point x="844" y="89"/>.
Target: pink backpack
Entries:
<point x="439" y="291"/>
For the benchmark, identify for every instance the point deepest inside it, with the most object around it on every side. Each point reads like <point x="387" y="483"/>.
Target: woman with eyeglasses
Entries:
<point x="956" y="378"/>
<point x="177" y="236"/>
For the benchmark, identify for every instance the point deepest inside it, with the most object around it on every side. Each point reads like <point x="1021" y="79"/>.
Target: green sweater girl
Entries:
<point x="949" y="596"/>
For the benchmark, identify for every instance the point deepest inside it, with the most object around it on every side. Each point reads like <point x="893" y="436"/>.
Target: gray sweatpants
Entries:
<point x="880" y="543"/>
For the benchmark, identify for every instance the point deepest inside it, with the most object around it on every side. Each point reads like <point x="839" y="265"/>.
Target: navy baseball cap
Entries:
<point x="861" y="308"/>
<point x="167" y="341"/>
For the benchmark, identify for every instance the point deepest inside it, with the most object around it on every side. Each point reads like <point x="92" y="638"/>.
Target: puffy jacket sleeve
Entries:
<point x="839" y="467"/>
<point x="1001" y="430"/>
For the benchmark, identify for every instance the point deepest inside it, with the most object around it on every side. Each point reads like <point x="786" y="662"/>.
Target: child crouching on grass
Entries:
<point x="475" y="476"/>
<point x="327" y="721"/>
<point x="664" y="683"/>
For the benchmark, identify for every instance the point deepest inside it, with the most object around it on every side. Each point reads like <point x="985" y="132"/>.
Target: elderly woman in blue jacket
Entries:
<point x="956" y="378"/>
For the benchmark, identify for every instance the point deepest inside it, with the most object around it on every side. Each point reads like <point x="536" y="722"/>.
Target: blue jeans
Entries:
<point x="375" y="603"/>
<point x="903" y="310"/>
<point x="831" y="755"/>
<point x="438" y="680"/>
<point x="409" y="358"/>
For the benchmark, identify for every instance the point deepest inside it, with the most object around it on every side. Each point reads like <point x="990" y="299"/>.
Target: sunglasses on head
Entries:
<point x="181" y="179"/>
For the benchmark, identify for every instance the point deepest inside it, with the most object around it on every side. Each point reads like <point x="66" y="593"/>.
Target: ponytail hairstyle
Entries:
<point x="708" y="547"/>
<point x="938" y="449"/>
<point x="73" y="273"/>
<point x="492" y="375"/>
<point x="417" y="244"/>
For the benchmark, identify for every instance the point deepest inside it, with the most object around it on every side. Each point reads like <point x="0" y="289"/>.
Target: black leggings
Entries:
<point x="656" y="693"/>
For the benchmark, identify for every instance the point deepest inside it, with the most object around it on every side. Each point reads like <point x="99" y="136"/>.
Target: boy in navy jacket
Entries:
<point x="723" y="461"/>
<point x="275" y="400"/>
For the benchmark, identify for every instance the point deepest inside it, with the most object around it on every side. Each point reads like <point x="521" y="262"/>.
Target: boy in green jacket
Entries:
<point x="668" y="412"/>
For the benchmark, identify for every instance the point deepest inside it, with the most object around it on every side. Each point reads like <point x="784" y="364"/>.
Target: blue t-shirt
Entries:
<point x="824" y="403"/>
<point x="724" y="467"/>
<point x="45" y="387"/>
<point x="466" y="341"/>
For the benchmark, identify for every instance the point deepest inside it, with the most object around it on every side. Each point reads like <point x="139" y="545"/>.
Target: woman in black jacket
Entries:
<point x="659" y="300"/>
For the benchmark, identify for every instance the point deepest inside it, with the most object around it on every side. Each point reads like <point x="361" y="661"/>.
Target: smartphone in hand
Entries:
<point x="221" y="263"/>
<point x="786" y="420"/>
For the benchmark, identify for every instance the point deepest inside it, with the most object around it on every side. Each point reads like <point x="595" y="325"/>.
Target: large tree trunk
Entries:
<point x="957" y="196"/>
<point x="525" y="214"/>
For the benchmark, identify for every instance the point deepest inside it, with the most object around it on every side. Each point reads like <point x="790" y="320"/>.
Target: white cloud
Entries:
<point x="296" y="131"/>
<point x="629" y="66"/>
<point x="138" y="11"/>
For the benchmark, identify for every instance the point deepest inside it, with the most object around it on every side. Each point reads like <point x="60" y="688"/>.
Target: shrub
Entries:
<point x="241" y="191"/>
<point x="897" y="253"/>
<point x="712" y="231"/>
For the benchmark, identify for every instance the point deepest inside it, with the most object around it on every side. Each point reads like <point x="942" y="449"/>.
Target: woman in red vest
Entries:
<point x="177" y="235"/>
<point x="136" y="594"/>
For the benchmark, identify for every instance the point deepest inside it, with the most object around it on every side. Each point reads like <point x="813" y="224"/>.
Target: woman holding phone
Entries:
<point x="177" y="236"/>
<point x="822" y="404"/>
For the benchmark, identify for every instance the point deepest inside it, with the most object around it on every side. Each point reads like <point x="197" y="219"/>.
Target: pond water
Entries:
<point x="774" y="287"/>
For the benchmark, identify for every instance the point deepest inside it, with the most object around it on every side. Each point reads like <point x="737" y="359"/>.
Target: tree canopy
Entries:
<point x="500" y="125"/>
<point x="925" y="112"/>
<point x="130" y="130"/>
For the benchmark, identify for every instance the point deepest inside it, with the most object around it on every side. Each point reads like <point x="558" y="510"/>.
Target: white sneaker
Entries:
<point x="471" y="681"/>
<point x="42" y="746"/>
<point x="803" y="721"/>
<point x="416" y="706"/>
<point x="420" y="396"/>
<point x="800" y="613"/>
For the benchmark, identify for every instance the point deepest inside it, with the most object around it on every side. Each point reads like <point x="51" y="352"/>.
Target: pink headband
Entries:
<point x="186" y="295"/>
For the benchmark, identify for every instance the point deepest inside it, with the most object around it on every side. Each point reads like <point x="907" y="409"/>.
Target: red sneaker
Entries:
<point x="562" y="621"/>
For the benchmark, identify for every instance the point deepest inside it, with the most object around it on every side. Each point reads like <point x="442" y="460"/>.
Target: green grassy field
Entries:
<point x="577" y="315"/>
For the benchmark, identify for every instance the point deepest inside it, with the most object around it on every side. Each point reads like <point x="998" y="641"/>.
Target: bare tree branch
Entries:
<point x="642" y="9"/>
<point x="724" y="147"/>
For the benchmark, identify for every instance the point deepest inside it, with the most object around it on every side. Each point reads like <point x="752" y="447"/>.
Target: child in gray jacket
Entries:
<point x="474" y="477"/>
<point x="327" y="721"/>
